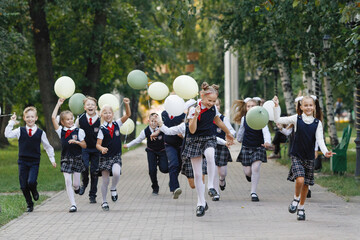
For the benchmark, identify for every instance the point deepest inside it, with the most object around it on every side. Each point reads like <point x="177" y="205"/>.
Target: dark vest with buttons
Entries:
<point x="29" y="147"/>
<point x="205" y="125"/>
<point x="70" y="150"/>
<point x="304" y="140"/>
<point x="113" y="144"/>
<point x="252" y="138"/>
<point x="218" y="131"/>
<point x="172" y="140"/>
<point x="90" y="131"/>
<point x="156" y="145"/>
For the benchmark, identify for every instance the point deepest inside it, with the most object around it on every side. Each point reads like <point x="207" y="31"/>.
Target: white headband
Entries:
<point x="301" y="98"/>
<point x="254" y="98"/>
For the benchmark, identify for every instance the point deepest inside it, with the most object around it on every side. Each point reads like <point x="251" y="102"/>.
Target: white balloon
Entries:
<point x="269" y="106"/>
<point x="158" y="91"/>
<point x="174" y="105"/>
<point x="109" y="99"/>
<point x="128" y="127"/>
<point x="185" y="87"/>
<point x="64" y="87"/>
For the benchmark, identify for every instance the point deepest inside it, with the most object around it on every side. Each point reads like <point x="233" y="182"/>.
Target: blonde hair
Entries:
<point x="317" y="112"/>
<point x="89" y="98"/>
<point x="28" y="109"/>
<point x="64" y="113"/>
<point x="238" y="109"/>
<point x="105" y="106"/>
<point x="207" y="89"/>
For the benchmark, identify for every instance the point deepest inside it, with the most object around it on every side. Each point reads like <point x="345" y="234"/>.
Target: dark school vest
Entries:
<point x="70" y="150"/>
<point x="29" y="147"/>
<point x="218" y="131"/>
<point x="303" y="146"/>
<point x="90" y="131"/>
<point x="172" y="140"/>
<point x="205" y="125"/>
<point x="112" y="143"/>
<point x="156" y="145"/>
<point x="252" y="138"/>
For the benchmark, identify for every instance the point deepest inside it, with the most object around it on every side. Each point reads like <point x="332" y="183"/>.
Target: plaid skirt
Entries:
<point x="248" y="155"/>
<point x="71" y="164"/>
<point x="302" y="168"/>
<point x="195" y="146"/>
<point x="222" y="155"/>
<point x="106" y="163"/>
<point x="187" y="170"/>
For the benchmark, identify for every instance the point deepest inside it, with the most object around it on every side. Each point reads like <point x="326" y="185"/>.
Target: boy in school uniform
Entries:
<point x="90" y="123"/>
<point x="155" y="150"/>
<point x="30" y="137"/>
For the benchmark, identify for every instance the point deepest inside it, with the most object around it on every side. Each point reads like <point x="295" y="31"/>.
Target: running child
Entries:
<point x="254" y="142"/>
<point x="308" y="130"/>
<point x="155" y="150"/>
<point x="30" y="137"/>
<point x="200" y="140"/>
<point x="109" y="144"/>
<point x="72" y="141"/>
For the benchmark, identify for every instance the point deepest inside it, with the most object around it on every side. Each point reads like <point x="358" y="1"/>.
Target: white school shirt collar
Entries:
<point x="106" y="124"/>
<point x="71" y="128"/>
<point x="33" y="128"/>
<point x="94" y="118"/>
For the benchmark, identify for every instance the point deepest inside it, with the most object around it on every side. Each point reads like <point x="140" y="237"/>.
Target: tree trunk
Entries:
<point x="285" y="81"/>
<point x="330" y="112"/>
<point x="44" y="66"/>
<point x="3" y="123"/>
<point x="95" y="52"/>
<point x="307" y="82"/>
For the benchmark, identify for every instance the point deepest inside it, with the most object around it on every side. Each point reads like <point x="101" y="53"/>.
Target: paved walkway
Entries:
<point x="139" y="215"/>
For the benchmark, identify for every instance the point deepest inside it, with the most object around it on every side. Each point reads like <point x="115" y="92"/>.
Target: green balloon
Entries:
<point x="137" y="79"/>
<point x="257" y="118"/>
<point x="76" y="104"/>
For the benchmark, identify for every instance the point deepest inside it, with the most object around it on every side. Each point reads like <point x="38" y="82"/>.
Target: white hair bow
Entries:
<point x="301" y="98"/>
<point x="254" y="98"/>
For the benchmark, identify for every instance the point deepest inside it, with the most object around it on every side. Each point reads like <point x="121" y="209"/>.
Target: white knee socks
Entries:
<point x="255" y="175"/>
<point x="210" y="158"/>
<point x="69" y="188"/>
<point x="199" y="184"/>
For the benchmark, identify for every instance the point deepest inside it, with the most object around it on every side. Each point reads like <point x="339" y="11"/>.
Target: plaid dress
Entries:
<point x="187" y="170"/>
<point x="195" y="146"/>
<point x="106" y="163"/>
<point x="248" y="155"/>
<point x="222" y="155"/>
<point x="302" y="168"/>
<point x="71" y="164"/>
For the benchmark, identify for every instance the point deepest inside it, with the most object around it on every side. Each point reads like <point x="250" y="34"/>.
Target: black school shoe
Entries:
<point x="308" y="194"/>
<point x="222" y="187"/>
<point x="73" y="208"/>
<point x="301" y="214"/>
<point x="254" y="197"/>
<point x="82" y="190"/>
<point x="35" y="195"/>
<point x="248" y="178"/>
<point x="200" y="210"/>
<point x="92" y="199"/>
<point x="292" y="208"/>
<point x="77" y="191"/>
<point x="114" y="198"/>
<point x="30" y="208"/>
<point x="212" y="192"/>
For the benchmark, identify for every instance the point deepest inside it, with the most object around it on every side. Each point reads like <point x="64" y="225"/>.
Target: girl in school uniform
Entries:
<point x="109" y="144"/>
<point x="72" y="141"/>
<point x="200" y="140"/>
<point x="222" y="153"/>
<point x="308" y="130"/>
<point x="254" y="142"/>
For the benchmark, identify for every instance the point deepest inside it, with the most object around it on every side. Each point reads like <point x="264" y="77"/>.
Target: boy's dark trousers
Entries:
<point x="28" y="173"/>
<point x="174" y="159"/>
<point x="156" y="159"/>
<point x="90" y="157"/>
